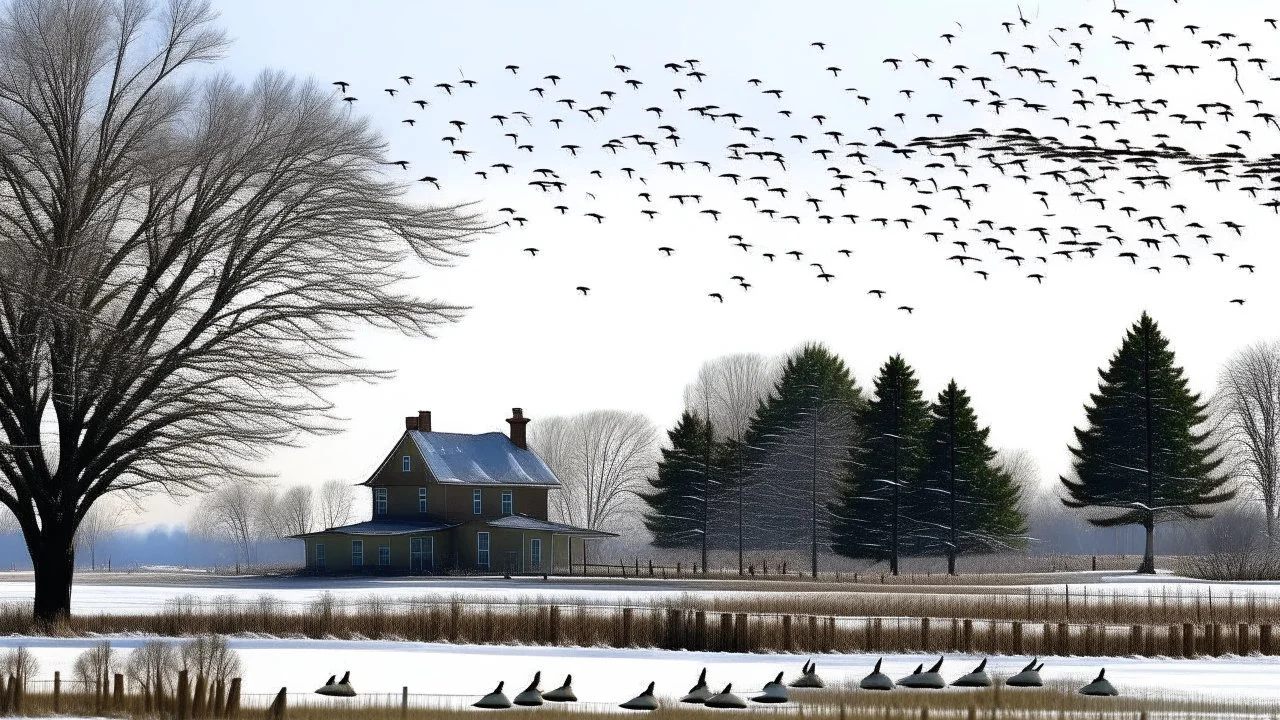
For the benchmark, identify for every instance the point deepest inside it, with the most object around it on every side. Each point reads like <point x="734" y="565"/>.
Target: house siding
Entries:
<point x="454" y="550"/>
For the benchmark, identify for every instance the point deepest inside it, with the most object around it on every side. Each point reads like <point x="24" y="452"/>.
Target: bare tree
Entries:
<point x="601" y="458"/>
<point x="102" y="521"/>
<point x="292" y="512"/>
<point x="234" y="513"/>
<point x="1246" y="410"/>
<point x="154" y="666"/>
<point x="336" y="502"/>
<point x="211" y="658"/>
<point x="182" y="262"/>
<point x="727" y="392"/>
<point x="94" y="667"/>
<point x="1025" y="471"/>
<point x="19" y="663"/>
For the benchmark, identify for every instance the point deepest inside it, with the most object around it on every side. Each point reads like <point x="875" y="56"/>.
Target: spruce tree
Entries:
<point x="1144" y="456"/>
<point x="873" y="517"/>
<point x="677" y="507"/>
<point x="797" y="447"/>
<point x="971" y="501"/>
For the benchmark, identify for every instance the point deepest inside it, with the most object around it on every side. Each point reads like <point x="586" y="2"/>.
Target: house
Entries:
<point x="454" y="502"/>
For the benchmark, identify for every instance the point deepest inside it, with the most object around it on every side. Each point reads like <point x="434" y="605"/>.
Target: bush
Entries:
<point x="96" y="665"/>
<point x="1255" y="561"/>
<point x="19" y="663"/>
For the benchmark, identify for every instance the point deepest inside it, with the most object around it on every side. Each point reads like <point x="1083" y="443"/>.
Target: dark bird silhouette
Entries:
<point x="582" y="289"/>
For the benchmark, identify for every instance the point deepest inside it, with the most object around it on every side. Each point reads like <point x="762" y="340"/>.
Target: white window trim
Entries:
<point x="380" y="501"/>
<point x="357" y="544"/>
<point x="320" y="559"/>
<point x="406" y="463"/>
<point x="423" y="502"/>
<point x="380" y="549"/>
<point x="535" y="552"/>
<point x="477" y="502"/>
<point x="487" y="551"/>
<point x="508" y="502"/>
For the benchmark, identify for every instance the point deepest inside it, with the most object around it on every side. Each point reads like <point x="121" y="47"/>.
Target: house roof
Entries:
<point x="484" y="459"/>
<point x="524" y="522"/>
<point x="384" y="527"/>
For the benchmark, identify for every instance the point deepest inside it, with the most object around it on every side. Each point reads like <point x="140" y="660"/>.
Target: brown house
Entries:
<point x="454" y="502"/>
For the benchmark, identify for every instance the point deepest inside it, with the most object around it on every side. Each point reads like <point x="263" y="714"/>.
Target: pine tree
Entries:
<point x="798" y="446"/>
<point x="878" y="498"/>
<point x="677" y="504"/>
<point x="972" y="502"/>
<point x="1144" y="458"/>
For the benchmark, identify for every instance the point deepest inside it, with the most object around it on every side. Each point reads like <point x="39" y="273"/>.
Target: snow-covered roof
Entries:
<point x="485" y="459"/>
<point x="524" y="522"/>
<point x="384" y="527"/>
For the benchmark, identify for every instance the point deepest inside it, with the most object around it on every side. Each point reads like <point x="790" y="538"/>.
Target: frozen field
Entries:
<point x="456" y="675"/>
<point x="137" y="594"/>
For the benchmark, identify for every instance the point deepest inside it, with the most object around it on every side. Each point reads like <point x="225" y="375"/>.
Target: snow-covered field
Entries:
<point x="454" y="675"/>
<point x="125" y="595"/>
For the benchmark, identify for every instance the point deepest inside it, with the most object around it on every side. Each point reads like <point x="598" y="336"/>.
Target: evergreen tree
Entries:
<point x="973" y="504"/>
<point x="879" y="496"/>
<point x="677" y="503"/>
<point x="797" y="446"/>
<point x="1144" y="458"/>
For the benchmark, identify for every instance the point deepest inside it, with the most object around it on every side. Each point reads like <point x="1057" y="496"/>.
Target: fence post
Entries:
<point x="786" y="633"/>
<point x="57" y="691"/>
<point x="280" y="706"/>
<point x="1242" y="639"/>
<point x="726" y="632"/>
<point x="233" y="699"/>
<point x="924" y="634"/>
<point x="1264" y="639"/>
<point x="626" y="626"/>
<point x="199" y="696"/>
<point x="1017" y="637"/>
<point x="184" y="696"/>
<point x="1135" y="640"/>
<point x="1064" y="639"/>
<point x="17" y="686"/>
<point x="219" y="698"/>
<point x="404" y="702"/>
<point x="966" y="640"/>
<point x="553" y="623"/>
<point x="117" y="692"/>
<point x="700" y="629"/>
<point x="674" y="631"/>
<point x="1188" y="640"/>
<point x="1215" y="639"/>
<point x="740" y="637"/>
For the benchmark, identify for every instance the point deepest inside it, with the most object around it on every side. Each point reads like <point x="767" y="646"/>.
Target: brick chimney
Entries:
<point x="411" y="423"/>
<point x="517" y="421"/>
<point x="424" y="420"/>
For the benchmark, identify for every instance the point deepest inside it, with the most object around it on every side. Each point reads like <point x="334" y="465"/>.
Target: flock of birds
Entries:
<point x="773" y="692"/>
<point x="952" y="188"/>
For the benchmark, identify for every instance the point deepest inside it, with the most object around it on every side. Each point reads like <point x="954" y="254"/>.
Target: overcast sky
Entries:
<point x="1028" y="353"/>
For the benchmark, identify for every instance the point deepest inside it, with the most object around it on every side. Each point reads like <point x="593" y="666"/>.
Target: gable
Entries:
<point x="389" y="472"/>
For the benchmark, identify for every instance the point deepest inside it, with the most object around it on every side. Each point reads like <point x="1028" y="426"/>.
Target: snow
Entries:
<point x="455" y="675"/>
<point x="150" y="594"/>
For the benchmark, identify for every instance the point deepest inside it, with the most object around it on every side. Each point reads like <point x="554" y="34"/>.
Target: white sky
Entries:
<point x="1028" y="354"/>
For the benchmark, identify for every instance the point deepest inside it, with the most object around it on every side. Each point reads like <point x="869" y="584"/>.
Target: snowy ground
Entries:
<point x="455" y="675"/>
<point x="132" y="594"/>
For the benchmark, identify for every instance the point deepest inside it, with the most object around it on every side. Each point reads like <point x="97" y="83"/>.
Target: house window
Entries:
<point x="406" y="464"/>
<point x="422" y="500"/>
<point x="384" y="555"/>
<point x="357" y="553"/>
<point x="422" y="554"/>
<point x="320" y="556"/>
<point x="482" y="550"/>
<point x="535" y="553"/>
<point x="506" y="502"/>
<point x="475" y="502"/>
<point x="380" y="501"/>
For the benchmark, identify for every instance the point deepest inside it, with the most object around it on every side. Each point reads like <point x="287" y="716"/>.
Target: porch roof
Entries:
<point x="383" y="527"/>
<point x="524" y="522"/>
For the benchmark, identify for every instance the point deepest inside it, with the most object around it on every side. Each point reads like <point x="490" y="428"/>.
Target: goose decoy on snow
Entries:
<point x="699" y="692"/>
<point x="1100" y="686"/>
<point x="774" y="692"/>
<point x="1028" y="677"/>
<point x="329" y="686"/>
<point x="531" y="696"/>
<point x="977" y="678"/>
<point x="930" y="679"/>
<point x="808" y="677"/>
<point x="726" y="699"/>
<point x="564" y="693"/>
<point x="643" y="701"/>
<point x="342" y="688"/>
<point x="877" y="680"/>
<point x="495" y="700"/>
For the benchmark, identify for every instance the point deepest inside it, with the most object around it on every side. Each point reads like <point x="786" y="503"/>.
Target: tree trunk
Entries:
<point x="53" y="558"/>
<point x="1148" y="566"/>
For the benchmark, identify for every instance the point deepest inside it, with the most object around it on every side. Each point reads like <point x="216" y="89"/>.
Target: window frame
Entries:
<point x="357" y="553"/>
<point x="483" y="552"/>
<point x="319" y="556"/>
<point x="384" y="550"/>
<point x="380" y="501"/>
<point x="423" y="503"/>
<point x="423" y="559"/>
<point x="406" y="463"/>
<point x="508" y="502"/>
<point x="535" y="552"/>
<point x="477" y="502"/>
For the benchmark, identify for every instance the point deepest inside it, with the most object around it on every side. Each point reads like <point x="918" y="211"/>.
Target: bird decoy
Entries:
<point x="1100" y="686"/>
<point x="532" y="695"/>
<point x="1028" y="677"/>
<point x="877" y="680"/>
<point x="808" y="677"/>
<point x="495" y="700"/>
<point x="699" y="693"/>
<point x="564" y="693"/>
<point x="977" y="678"/>
<point x="726" y="699"/>
<point x="330" y="687"/>
<point x="344" y="687"/>
<point x="930" y="679"/>
<point x="643" y="701"/>
<point x="774" y="691"/>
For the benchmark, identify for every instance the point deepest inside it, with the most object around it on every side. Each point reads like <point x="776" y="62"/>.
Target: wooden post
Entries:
<point x="219" y="698"/>
<point x="553" y="623"/>
<point x="1242" y="639"/>
<point x="627" y="616"/>
<point x="700" y="629"/>
<point x="955" y="635"/>
<point x="198" y="697"/>
<point x="17" y="689"/>
<point x="726" y="632"/>
<point x="1264" y="639"/>
<point x="1064" y="640"/>
<point x="787" y="645"/>
<point x="1215" y="645"/>
<point x="924" y="634"/>
<point x="117" y="693"/>
<point x="1135" y="640"/>
<point x="280" y="706"/>
<point x="1188" y="640"/>
<point x="404" y="702"/>
<point x="740" y="634"/>
<point x="57" y="691"/>
<point x="233" y="699"/>
<point x="966" y="640"/>
<point x="674" y="630"/>
<point x="1017" y="637"/>
<point x="184" y="696"/>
